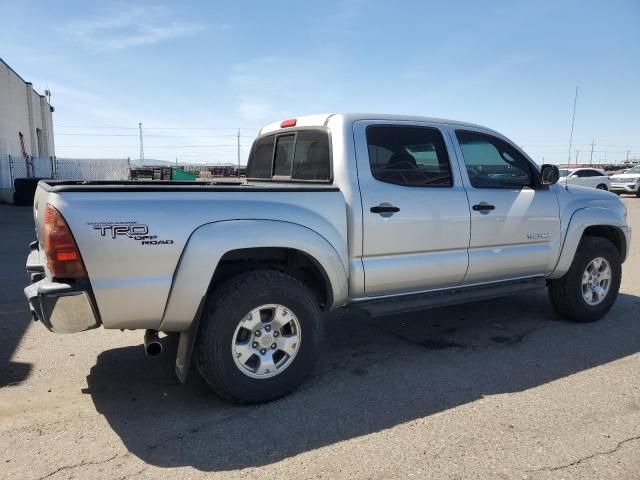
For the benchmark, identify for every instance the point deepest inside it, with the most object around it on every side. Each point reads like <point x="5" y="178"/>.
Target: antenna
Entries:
<point x="573" y="118"/>
<point x="141" y="143"/>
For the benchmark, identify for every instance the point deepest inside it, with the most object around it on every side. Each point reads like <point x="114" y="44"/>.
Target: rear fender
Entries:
<point x="210" y="242"/>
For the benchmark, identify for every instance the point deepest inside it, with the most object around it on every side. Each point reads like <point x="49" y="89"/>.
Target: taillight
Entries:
<point x="288" y="123"/>
<point x="62" y="252"/>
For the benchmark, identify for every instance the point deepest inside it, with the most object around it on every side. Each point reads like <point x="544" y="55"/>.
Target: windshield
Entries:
<point x="634" y="170"/>
<point x="564" y="172"/>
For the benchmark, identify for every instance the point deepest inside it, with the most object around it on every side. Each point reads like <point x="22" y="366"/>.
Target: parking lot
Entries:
<point x="498" y="389"/>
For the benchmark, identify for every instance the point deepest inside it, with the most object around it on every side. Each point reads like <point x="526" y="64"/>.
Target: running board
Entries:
<point x="441" y="298"/>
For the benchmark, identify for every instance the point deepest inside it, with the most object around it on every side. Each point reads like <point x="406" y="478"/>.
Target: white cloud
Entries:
<point x="270" y="87"/>
<point x="125" y="26"/>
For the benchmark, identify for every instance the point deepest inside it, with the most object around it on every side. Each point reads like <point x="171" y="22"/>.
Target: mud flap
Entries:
<point x="185" y="345"/>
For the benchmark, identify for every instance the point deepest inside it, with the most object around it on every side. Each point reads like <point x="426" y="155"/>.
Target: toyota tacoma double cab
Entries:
<point x="378" y="212"/>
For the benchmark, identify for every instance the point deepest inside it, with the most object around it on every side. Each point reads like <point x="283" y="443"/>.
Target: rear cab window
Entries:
<point x="301" y="155"/>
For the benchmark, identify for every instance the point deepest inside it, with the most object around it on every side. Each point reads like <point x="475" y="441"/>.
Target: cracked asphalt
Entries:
<point x="502" y="389"/>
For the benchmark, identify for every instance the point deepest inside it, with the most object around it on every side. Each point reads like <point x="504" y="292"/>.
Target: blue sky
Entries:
<point x="178" y="66"/>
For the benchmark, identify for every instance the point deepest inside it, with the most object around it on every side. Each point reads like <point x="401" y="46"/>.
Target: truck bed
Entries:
<point x="132" y="274"/>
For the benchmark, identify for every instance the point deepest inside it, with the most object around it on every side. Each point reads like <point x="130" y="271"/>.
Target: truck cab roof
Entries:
<point x="321" y="120"/>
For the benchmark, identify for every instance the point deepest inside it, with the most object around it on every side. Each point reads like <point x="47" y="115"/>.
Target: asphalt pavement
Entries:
<point x="502" y="389"/>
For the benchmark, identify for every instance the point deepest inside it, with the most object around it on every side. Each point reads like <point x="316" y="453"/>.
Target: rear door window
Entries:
<point x="408" y="155"/>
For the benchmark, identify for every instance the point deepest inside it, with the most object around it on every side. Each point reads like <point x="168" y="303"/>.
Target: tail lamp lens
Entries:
<point x="62" y="252"/>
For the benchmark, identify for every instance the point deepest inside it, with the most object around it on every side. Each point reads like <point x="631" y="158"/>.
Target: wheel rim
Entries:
<point x="596" y="281"/>
<point x="266" y="341"/>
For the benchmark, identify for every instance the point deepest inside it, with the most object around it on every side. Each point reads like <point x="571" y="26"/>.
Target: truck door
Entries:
<point x="515" y="225"/>
<point x="416" y="220"/>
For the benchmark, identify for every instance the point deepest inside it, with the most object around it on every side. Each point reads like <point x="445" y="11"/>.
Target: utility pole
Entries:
<point x="591" y="157"/>
<point x="577" y="153"/>
<point x="573" y="118"/>
<point x="238" y="152"/>
<point x="628" y="151"/>
<point x="141" y="144"/>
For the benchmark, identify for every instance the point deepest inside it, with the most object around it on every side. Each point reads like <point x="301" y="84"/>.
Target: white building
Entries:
<point x="23" y="111"/>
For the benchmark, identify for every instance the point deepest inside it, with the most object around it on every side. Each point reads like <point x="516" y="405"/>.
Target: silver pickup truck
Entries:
<point x="382" y="213"/>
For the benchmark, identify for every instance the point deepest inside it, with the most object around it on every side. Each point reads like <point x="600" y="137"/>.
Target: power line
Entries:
<point x="147" y="136"/>
<point x="150" y="146"/>
<point x="155" y="128"/>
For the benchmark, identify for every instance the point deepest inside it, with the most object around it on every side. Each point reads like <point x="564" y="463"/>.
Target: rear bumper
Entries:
<point x="61" y="307"/>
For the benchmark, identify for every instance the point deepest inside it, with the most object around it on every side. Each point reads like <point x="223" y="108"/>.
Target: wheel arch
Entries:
<point x="595" y="222"/>
<point x="292" y="261"/>
<point x="219" y="250"/>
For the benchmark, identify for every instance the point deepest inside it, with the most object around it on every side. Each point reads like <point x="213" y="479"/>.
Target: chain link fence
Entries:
<point x="91" y="168"/>
<point x="12" y="167"/>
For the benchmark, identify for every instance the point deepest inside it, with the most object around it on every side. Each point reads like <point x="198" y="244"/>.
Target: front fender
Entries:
<point x="210" y="242"/>
<point x="580" y="221"/>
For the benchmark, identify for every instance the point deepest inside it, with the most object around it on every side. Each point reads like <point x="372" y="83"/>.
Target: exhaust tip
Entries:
<point x="152" y="345"/>
<point x="154" y="349"/>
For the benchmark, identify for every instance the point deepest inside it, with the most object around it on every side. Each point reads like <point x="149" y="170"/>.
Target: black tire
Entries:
<point x="602" y="186"/>
<point x="566" y="293"/>
<point x="228" y="305"/>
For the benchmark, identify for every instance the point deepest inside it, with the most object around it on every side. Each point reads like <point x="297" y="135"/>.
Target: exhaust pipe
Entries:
<point x="152" y="345"/>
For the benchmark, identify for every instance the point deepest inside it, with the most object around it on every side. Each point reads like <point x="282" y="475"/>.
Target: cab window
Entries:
<point x="493" y="163"/>
<point x="408" y="155"/>
<point x="302" y="155"/>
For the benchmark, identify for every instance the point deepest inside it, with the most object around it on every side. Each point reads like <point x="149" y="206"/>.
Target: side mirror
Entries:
<point x="549" y="174"/>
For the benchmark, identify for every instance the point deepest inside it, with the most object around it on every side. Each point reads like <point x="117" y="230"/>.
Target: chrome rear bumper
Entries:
<point x="61" y="307"/>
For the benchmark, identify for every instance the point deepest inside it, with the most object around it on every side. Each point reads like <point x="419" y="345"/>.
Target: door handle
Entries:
<point x="384" y="209"/>
<point x="483" y="207"/>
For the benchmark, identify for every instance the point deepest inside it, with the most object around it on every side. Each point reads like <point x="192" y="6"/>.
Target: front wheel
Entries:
<point x="588" y="290"/>
<point x="602" y="186"/>
<point x="259" y="337"/>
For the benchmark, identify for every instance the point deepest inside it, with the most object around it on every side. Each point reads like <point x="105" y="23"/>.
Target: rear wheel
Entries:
<point x="259" y="338"/>
<point x="588" y="290"/>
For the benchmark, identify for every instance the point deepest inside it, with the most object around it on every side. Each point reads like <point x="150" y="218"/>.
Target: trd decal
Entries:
<point x="133" y="230"/>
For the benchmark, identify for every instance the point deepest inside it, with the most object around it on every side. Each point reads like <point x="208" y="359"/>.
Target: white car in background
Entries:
<point x="627" y="182"/>
<point x="586" y="177"/>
